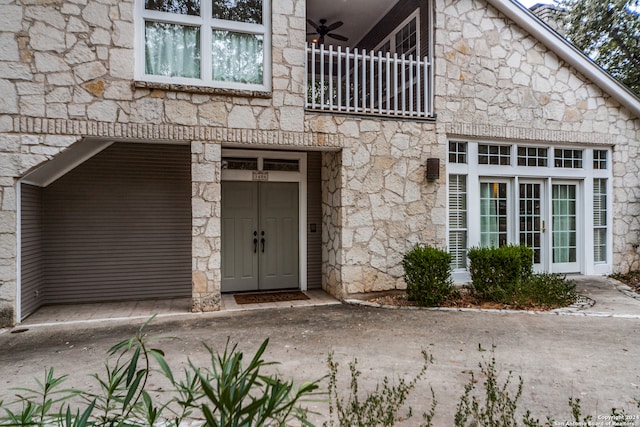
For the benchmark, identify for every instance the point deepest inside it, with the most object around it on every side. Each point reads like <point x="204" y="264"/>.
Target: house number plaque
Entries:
<point x="260" y="176"/>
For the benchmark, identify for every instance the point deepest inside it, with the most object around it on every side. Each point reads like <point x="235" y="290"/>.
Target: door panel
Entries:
<point x="259" y="236"/>
<point x="494" y="208"/>
<point x="531" y="220"/>
<point x="279" y="219"/>
<point x="564" y="228"/>
<point x="239" y="223"/>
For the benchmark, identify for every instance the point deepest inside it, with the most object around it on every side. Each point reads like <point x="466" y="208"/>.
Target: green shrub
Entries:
<point x="427" y="272"/>
<point x="497" y="272"/>
<point x="545" y="290"/>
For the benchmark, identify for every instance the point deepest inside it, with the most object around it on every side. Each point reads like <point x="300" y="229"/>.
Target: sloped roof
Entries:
<point x="572" y="55"/>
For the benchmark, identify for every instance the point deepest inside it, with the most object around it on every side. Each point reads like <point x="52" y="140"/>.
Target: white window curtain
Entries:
<point x="172" y="50"/>
<point x="237" y="57"/>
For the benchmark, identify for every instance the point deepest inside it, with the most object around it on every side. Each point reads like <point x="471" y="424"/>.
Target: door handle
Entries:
<point x="262" y="241"/>
<point x="543" y="227"/>
<point x="255" y="242"/>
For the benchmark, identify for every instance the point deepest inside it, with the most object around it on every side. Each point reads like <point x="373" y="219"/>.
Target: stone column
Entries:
<point x="332" y="223"/>
<point x="205" y="220"/>
<point x="8" y="256"/>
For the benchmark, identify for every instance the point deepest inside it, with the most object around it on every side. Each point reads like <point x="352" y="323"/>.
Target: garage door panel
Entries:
<point x="119" y="226"/>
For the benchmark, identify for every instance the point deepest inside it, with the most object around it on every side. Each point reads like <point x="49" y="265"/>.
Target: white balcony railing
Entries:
<point x="360" y="82"/>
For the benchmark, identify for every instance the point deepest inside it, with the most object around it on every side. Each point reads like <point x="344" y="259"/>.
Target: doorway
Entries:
<point x="260" y="236"/>
<point x="544" y="217"/>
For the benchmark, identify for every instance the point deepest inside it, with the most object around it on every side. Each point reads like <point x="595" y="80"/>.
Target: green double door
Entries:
<point x="260" y="236"/>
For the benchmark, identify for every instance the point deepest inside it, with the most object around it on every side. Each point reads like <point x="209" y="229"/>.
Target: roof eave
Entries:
<point x="565" y="50"/>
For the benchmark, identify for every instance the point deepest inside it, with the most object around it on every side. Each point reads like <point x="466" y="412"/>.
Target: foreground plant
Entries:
<point x="496" y="405"/>
<point x="227" y="393"/>
<point x="380" y="407"/>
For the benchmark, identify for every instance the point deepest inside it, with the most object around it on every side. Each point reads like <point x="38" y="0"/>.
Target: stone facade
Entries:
<point x="495" y="81"/>
<point x="66" y="73"/>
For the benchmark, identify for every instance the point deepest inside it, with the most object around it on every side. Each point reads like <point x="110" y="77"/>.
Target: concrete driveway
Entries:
<point x="591" y="353"/>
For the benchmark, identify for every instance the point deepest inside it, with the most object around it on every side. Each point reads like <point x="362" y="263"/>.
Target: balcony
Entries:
<point x="357" y="81"/>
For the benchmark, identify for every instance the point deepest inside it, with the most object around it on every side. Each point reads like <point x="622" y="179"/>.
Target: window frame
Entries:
<point x="207" y="25"/>
<point x="391" y="38"/>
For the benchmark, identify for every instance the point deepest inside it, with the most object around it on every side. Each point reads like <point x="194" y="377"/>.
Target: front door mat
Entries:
<point x="261" y="297"/>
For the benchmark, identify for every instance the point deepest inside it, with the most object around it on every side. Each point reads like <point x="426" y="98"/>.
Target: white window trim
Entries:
<point x="206" y="23"/>
<point x="550" y="174"/>
<point x="392" y="35"/>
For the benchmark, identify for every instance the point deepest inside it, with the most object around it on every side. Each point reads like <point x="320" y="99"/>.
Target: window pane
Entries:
<point x="238" y="10"/>
<point x="280" y="165"/>
<point x="564" y="223"/>
<point x="183" y="7"/>
<point x="457" y="152"/>
<point x="493" y="214"/>
<point x="237" y="57"/>
<point x="600" y="159"/>
<point x="172" y="50"/>
<point x="240" y="163"/>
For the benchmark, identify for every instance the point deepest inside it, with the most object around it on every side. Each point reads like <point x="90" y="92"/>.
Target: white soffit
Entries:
<point x="565" y="50"/>
<point x="65" y="162"/>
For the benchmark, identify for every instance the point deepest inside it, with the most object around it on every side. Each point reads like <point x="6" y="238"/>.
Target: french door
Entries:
<point x="539" y="213"/>
<point x="532" y="221"/>
<point x="259" y="236"/>
<point x="564" y="234"/>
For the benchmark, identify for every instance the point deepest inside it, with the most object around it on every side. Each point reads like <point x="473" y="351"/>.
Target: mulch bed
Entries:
<point x="464" y="300"/>
<point x="631" y="279"/>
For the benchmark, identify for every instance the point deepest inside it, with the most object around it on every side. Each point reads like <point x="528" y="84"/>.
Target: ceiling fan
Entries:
<point x="322" y="29"/>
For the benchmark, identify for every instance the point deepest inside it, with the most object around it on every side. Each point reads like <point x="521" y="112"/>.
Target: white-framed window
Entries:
<point x="405" y="38"/>
<point x="600" y="159"/>
<point x="489" y="154"/>
<point x="555" y="199"/>
<point x="532" y="156"/>
<point x="457" y="152"/>
<point x="219" y="43"/>
<point x="567" y="158"/>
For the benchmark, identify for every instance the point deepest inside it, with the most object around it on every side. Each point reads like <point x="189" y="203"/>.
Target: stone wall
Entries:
<point x="66" y="72"/>
<point x="386" y="204"/>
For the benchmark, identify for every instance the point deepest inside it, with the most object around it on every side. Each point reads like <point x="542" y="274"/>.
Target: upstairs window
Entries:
<point x="219" y="43"/>
<point x="405" y="39"/>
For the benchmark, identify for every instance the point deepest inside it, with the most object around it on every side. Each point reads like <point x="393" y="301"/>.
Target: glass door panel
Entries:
<point x="531" y="219"/>
<point x="493" y="214"/>
<point x="564" y="228"/>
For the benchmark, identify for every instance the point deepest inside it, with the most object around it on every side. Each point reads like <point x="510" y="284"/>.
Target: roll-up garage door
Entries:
<point x="118" y="226"/>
